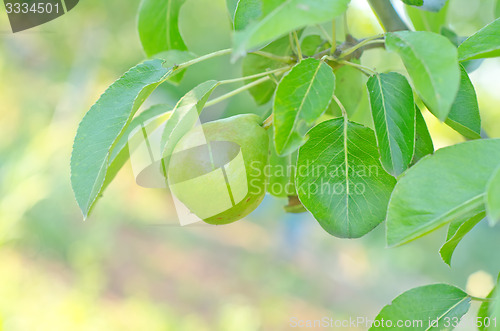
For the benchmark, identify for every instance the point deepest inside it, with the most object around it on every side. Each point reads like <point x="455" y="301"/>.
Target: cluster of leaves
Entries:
<point x="314" y="85"/>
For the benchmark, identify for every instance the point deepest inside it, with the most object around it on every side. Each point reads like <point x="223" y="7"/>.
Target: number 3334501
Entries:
<point x="35" y="8"/>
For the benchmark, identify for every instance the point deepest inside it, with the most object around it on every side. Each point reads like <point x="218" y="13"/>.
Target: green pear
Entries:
<point x="217" y="169"/>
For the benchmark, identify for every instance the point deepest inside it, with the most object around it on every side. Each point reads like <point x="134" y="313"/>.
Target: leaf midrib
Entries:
<point x="427" y="70"/>
<point x="449" y="311"/>
<point x="301" y="107"/>
<point x="386" y="123"/>
<point x="346" y="161"/>
<point x="236" y="10"/>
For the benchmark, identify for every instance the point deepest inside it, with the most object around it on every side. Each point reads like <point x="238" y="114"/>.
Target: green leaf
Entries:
<point x="424" y="20"/>
<point x="246" y="12"/>
<point x="464" y="115"/>
<point x="438" y="304"/>
<point x="488" y="316"/>
<point x="103" y="126"/>
<point x="497" y="9"/>
<point x="393" y="111"/>
<point x="281" y="176"/>
<point x="302" y="96"/>
<point x="446" y="186"/>
<point x="413" y="2"/>
<point x="312" y="44"/>
<point x="340" y="178"/>
<point x="483" y="44"/>
<point x="431" y="61"/>
<point x="457" y="231"/>
<point x="349" y="89"/>
<point x="423" y="140"/>
<point x="150" y="118"/>
<point x="158" y="25"/>
<point x="452" y="36"/>
<point x="362" y="113"/>
<point x="493" y="198"/>
<point x="282" y="16"/>
<point x="184" y="116"/>
<point x="254" y="64"/>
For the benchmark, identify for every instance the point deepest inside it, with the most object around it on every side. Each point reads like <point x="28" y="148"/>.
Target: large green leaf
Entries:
<point x="158" y="25"/>
<point x="393" y="112"/>
<point x="184" y="116"/>
<point x="446" y="186"/>
<point x="246" y="12"/>
<point x="104" y="124"/>
<point x="483" y="44"/>
<point x="431" y="61"/>
<point x="255" y="64"/>
<point x="493" y="198"/>
<point x="279" y="17"/>
<point x="432" y="307"/>
<point x="425" y="20"/>
<point x="302" y="96"/>
<point x="464" y="115"/>
<point x="423" y="139"/>
<point x="457" y="231"/>
<point x="340" y="179"/>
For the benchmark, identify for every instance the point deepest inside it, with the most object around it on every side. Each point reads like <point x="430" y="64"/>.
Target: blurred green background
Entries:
<point x="128" y="267"/>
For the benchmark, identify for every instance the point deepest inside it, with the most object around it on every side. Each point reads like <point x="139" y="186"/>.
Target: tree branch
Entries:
<point x="387" y="15"/>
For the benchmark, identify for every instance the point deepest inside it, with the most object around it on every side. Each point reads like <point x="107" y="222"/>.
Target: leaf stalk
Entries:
<point x="297" y="44"/>
<point x="237" y="91"/>
<point x="202" y="58"/>
<point x="368" y="41"/>
<point x="262" y="74"/>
